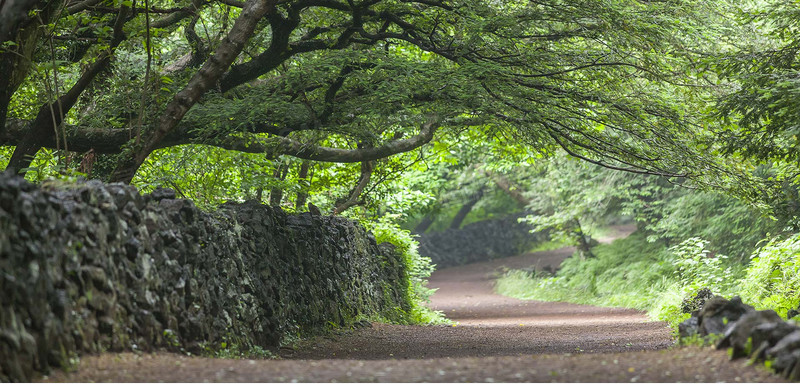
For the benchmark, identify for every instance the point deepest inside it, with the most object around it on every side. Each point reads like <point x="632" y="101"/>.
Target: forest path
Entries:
<point x="496" y="339"/>
<point x="489" y="324"/>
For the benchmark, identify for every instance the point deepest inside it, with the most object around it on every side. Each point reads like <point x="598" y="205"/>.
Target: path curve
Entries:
<point x="496" y="339"/>
<point x="492" y="325"/>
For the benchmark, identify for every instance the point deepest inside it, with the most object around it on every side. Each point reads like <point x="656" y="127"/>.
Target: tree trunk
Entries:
<point x="51" y="115"/>
<point x="465" y="210"/>
<point x="424" y="224"/>
<point x="302" y="195"/>
<point x="12" y="14"/>
<point x="5" y="90"/>
<point x="276" y="193"/>
<point x="205" y="79"/>
<point x="584" y="241"/>
<point x="15" y="64"/>
<point x="354" y="198"/>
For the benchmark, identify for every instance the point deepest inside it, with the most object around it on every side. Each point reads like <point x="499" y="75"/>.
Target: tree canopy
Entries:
<point x="347" y="81"/>
<point x="345" y="96"/>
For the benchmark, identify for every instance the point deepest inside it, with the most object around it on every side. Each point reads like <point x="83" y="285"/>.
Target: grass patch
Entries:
<point x="631" y="273"/>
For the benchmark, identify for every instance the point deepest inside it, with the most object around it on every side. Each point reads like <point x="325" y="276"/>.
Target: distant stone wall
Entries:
<point x="93" y="267"/>
<point x="479" y="241"/>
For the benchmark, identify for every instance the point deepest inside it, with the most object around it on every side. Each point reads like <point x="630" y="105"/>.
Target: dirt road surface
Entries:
<point x="496" y="339"/>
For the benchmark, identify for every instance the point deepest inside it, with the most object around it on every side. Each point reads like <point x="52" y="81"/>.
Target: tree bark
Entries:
<point x="355" y="194"/>
<point x="205" y="79"/>
<point x="50" y="116"/>
<point x="302" y="195"/>
<point x="276" y="193"/>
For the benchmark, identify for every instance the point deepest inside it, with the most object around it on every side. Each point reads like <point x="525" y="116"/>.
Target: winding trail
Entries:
<point x="496" y="339"/>
<point x="492" y="325"/>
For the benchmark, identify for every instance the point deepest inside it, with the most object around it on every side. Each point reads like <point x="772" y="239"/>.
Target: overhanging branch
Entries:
<point x="111" y="141"/>
<point x="275" y="146"/>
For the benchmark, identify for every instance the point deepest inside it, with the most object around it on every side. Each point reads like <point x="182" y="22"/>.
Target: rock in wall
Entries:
<point x="91" y="267"/>
<point x="478" y="241"/>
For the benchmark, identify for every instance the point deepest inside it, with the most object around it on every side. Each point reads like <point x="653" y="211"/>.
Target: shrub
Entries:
<point x="697" y="268"/>
<point x="632" y="273"/>
<point x="419" y="270"/>
<point x="730" y="226"/>
<point x="773" y="277"/>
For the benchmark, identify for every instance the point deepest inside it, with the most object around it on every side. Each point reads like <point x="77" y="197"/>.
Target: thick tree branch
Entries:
<point x="83" y="5"/>
<point x="111" y="141"/>
<point x="50" y="116"/>
<point x="355" y="194"/>
<point x="12" y="14"/>
<point x="275" y="146"/>
<point x="201" y="82"/>
<point x="233" y="3"/>
<point x="281" y="49"/>
<point x="508" y="187"/>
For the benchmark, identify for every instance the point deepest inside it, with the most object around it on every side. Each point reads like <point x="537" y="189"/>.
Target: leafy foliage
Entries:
<point x="697" y="268"/>
<point x="419" y="269"/>
<point x="763" y="107"/>
<point x="773" y="276"/>
<point x="633" y="273"/>
<point x="568" y="194"/>
<point x="755" y="116"/>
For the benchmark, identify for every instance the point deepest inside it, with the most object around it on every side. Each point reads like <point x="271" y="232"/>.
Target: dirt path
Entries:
<point x="496" y="339"/>
<point x="492" y="325"/>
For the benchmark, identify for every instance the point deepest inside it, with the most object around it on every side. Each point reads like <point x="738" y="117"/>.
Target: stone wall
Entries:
<point x="91" y="267"/>
<point x="478" y="241"/>
<point x="761" y="336"/>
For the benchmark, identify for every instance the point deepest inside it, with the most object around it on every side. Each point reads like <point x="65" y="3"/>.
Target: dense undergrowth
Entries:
<point x="419" y="270"/>
<point x="650" y="276"/>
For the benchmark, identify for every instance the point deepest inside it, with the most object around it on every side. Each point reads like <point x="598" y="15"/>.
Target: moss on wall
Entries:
<point x="92" y="267"/>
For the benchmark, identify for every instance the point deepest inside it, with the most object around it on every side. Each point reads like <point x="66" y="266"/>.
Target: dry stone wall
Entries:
<point x="92" y="267"/>
<point x="762" y="336"/>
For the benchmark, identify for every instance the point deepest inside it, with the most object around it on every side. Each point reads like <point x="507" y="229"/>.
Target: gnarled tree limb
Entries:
<point x="275" y="146"/>
<point x="201" y="82"/>
<point x="355" y="194"/>
<point x="110" y="141"/>
<point x="47" y="119"/>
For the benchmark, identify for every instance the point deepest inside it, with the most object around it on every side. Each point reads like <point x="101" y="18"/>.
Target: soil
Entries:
<point x="495" y="338"/>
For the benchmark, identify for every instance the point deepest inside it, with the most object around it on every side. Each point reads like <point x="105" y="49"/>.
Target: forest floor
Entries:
<point x="495" y="339"/>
